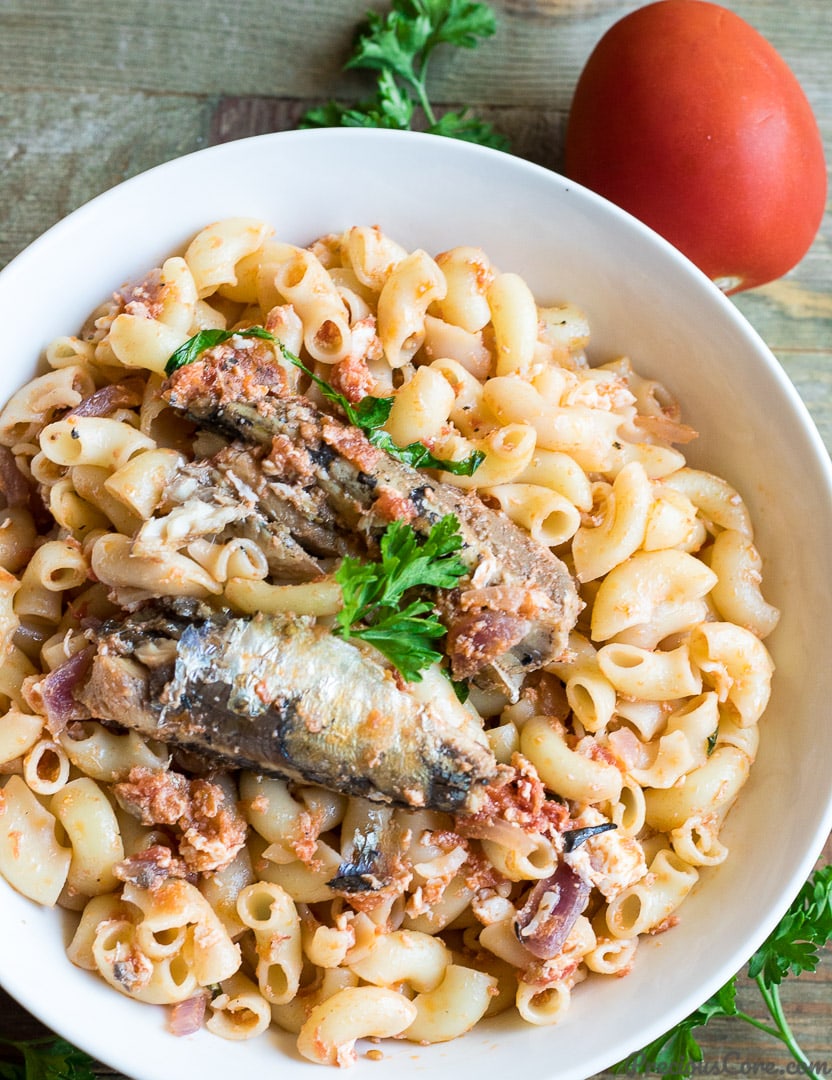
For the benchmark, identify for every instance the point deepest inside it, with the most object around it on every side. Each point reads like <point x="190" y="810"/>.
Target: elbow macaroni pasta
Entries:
<point x="649" y="723"/>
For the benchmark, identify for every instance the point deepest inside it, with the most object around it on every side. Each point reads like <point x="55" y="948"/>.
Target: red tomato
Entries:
<point x="688" y="118"/>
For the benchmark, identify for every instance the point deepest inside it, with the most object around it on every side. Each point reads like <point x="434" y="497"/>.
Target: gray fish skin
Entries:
<point x="284" y="697"/>
<point x="241" y="394"/>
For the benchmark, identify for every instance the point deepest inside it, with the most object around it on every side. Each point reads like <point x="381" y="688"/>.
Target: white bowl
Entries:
<point x="642" y="299"/>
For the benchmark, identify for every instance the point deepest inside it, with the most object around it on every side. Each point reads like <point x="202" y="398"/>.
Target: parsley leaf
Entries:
<point x="373" y="594"/>
<point x="391" y="108"/>
<point x="398" y="47"/>
<point x="403" y="637"/>
<point x="394" y="104"/>
<point x="393" y="43"/>
<point x="459" y="22"/>
<point x="47" y="1059"/>
<point x="418" y="455"/>
<point x="462" y="125"/>
<point x="791" y="948"/>
<point x="407" y="562"/>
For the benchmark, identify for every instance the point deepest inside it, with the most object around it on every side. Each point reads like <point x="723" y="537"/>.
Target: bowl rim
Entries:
<point x="90" y="1040"/>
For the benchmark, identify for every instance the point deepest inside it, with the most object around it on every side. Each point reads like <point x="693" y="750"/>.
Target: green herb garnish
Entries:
<point x="398" y="47"/>
<point x="46" y="1059"/>
<point x="206" y="339"/>
<point x="461" y="689"/>
<point x="370" y="414"/>
<point x="791" y="948"/>
<point x="375" y="605"/>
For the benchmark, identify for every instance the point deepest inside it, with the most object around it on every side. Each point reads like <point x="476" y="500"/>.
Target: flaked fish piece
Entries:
<point x="245" y="394"/>
<point x="299" y="511"/>
<point x="230" y="495"/>
<point x="200" y="501"/>
<point x="283" y="697"/>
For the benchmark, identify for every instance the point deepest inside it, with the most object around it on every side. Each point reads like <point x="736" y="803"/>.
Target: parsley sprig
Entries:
<point x="46" y="1059"/>
<point x="370" y="414"/>
<point x="376" y="608"/>
<point x="398" y="47"/>
<point x="792" y="948"/>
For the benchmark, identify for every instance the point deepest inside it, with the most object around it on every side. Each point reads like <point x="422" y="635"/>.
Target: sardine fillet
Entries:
<point x="241" y="395"/>
<point x="284" y="697"/>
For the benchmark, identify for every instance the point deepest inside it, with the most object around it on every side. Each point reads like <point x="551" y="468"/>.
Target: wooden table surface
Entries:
<point x="95" y="91"/>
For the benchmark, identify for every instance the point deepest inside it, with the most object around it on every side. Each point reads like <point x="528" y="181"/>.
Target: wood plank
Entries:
<point x="57" y="153"/>
<point x="297" y="48"/>
<point x="811" y="374"/>
<point x="535" y="134"/>
<point x="192" y="47"/>
<point x="795" y="312"/>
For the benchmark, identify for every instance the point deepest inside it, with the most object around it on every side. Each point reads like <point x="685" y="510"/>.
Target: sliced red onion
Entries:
<point x="549" y="913"/>
<point x="109" y="398"/>
<point x="57" y="691"/>
<point x="186" y="1016"/>
<point x="478" y="637"/>
<point x="13" y="483"/>
<point x="20" y="491"/>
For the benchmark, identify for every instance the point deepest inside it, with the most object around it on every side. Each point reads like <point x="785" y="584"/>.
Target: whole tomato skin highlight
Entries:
<point x="688" y="118"/>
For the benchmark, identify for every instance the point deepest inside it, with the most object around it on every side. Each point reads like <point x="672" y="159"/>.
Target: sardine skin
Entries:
<point x="282" y="696"/>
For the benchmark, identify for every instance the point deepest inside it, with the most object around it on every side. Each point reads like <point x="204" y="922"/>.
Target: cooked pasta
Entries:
<point x="276" y="894"/>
